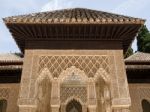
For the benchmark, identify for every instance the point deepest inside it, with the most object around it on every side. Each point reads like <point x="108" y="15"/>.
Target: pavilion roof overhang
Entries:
<point x="73" y="24"/>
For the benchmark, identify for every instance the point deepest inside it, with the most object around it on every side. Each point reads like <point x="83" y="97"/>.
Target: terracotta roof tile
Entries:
<point x="139" y="56"/>
<point x="10" y="61"/>
<point x="10" y="57"/>
<point x="73" y="16"/>
<point x="11" y="67"/>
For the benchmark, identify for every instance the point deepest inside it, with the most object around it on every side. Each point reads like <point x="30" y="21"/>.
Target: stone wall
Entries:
<point x="9" y="92"/>
<point x="139" y="92"/>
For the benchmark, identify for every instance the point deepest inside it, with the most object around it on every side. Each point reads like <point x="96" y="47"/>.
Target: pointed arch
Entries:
<point x="45" y="73"/>
<point x="69" y="72"/>
<point x="73" y="98"/>
<point x="101" y="73"/>
<point x="145" y="105"/>
<point x="73" y="105"/>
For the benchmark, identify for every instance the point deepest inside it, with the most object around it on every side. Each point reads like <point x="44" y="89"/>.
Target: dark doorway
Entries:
<point x="3" y="105"/>
<point x="74" y="106"/>
<point x="146" y="105"/>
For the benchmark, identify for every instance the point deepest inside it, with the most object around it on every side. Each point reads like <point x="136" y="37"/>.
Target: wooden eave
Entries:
<point x="24" y="32"/>
<point x="11" y="65"/>
<point x="140" y="62"/>
<point x="73" y="24"/>
<point x="137" y="65"/>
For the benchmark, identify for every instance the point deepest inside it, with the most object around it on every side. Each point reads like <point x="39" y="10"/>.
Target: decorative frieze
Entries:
<point x="89" y="64"/>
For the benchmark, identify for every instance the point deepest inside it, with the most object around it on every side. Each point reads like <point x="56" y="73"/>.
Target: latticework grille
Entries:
<point x="89" y="64"/>
<point x="78" y="92"/>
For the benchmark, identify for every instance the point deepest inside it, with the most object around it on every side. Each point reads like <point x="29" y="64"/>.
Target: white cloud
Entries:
<point x="131" y="6"/>
<point x="93" y="4"/>
<point x="137" y="8"/>
<point x="57" y="4"/>
<point x="10" y="8"/>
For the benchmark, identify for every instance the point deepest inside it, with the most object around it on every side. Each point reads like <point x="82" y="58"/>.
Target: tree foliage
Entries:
<point x="143" y="40"/>
<point x="129" y="52"/>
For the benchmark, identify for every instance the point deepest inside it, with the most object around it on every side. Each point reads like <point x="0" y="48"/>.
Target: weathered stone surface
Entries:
<point x="139" y="92"/>
<point x="10" y="92"/>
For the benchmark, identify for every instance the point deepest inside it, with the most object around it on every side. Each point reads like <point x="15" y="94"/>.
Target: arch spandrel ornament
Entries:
<point x="45" y="73"/>
<point x="4" y="93"/>
<point x="73" y="74"/>
<point x="74" y="98"/>
<point x="83" y="105"/>
<point x="101" y="73"/>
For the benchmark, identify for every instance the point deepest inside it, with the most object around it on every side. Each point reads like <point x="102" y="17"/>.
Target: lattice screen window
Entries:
<point x="77" y="92"/>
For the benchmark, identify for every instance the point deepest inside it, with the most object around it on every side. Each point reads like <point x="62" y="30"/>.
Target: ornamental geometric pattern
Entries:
<point x="74" y="79"/>
<point x="77" y="92"/>
<point x="89" y="64"/>
<point x="4" y="93"/>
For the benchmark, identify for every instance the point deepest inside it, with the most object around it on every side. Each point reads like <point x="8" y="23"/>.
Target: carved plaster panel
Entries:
<point x="73" y="84"/>
<point x="73" y="75"/>
<point x="43" y="91"/>
<point x="76" y="92"/>
<point x="89" y="64"/>
<point x="4" y="93"/>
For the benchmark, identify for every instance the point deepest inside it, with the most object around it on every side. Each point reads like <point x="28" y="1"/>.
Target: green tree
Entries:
<point x="129" y="52"/>
<point x="143" y="40"/>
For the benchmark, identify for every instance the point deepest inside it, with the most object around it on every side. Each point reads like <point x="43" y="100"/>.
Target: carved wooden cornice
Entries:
<point x="73" y="24"/>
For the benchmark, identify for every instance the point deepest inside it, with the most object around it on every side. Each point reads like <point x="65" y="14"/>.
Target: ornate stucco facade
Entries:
<point x="96" y="79"/>
<point x="139" y="87"/>
<point x="72" y="63"/>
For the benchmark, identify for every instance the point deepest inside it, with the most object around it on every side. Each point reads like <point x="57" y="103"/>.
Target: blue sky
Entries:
<point x="135" y="8"/>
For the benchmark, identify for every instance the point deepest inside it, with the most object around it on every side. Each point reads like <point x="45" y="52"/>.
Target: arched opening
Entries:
<point x="146" y="105"/>
<point x="73" y="84"/>
<point x="74" y="106"/>
<point x="3" y="105"/>
<point x="43" y="91"/>
<point x="102" y="91"/>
